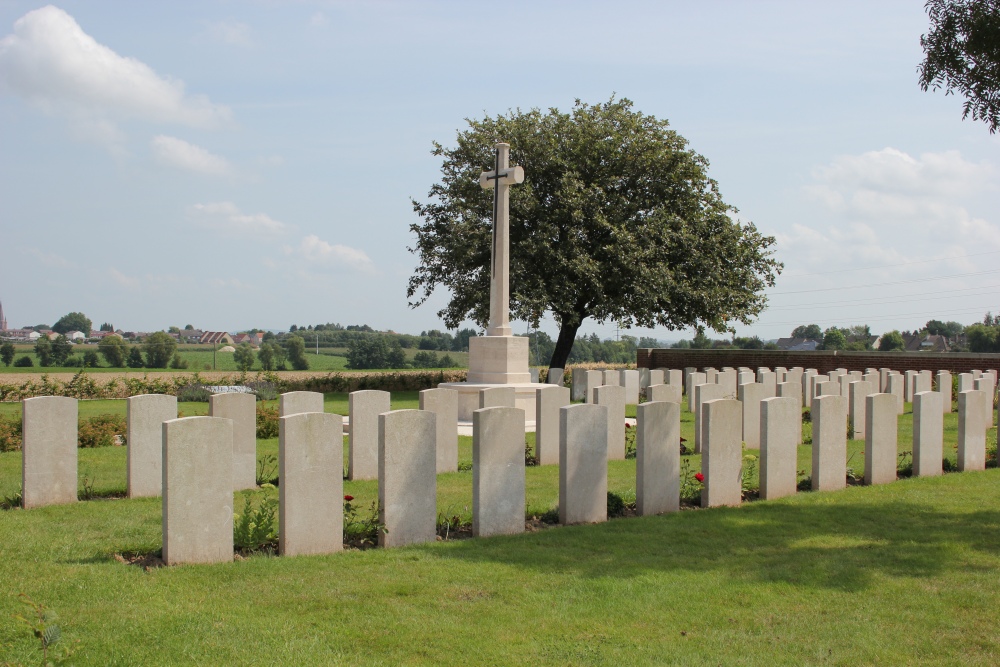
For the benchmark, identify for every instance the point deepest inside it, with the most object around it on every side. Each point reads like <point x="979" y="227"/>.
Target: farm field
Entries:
<point x="901" y="573"/>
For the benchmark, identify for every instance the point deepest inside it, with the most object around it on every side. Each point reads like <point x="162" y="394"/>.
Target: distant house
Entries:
<point x="76" y="335"/>
<point x="254" y="339"/>
<point x="191" y="335"/>
<point x="216" y="337"/>
<point x="797" y="344"/>
<point x="918" y="343"/>
<point x="24" y="335"/>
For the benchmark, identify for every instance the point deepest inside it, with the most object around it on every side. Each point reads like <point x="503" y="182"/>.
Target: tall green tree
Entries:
<point x="159" y="348"/>
<point x="243" y="357"/>
<point x="962" y="53"/>
<point x="72" y="322"/>
<point x="295" y="350"/>
<point x="617" y="220"/>
<point x="7" y="353"/>
<point x="810" y="331"/>
<point x="834" y="339"/>
<point x="114" y="350"/>
<point x="135" y="358"/>
<point x="43" y="350"/>
<point x="61" y="349"/>
<point x="891" y="341"/>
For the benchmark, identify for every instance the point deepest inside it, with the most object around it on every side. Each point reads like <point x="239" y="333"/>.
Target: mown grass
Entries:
<point x="898" y="574"/>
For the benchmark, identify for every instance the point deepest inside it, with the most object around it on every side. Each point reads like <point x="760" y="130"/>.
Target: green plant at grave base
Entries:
<point x="529" y="456"/>
<point x="10" y="433"/>
<point x="449" y="523"/>
<point x="267" y="470"/>
<point x="616" y="505"/>
<point x="267" y="422"/>
<point x="947" y="465"/>
<point x="749" y="477"/>
<point x="41" y="622"/>
<point x="87" y="491"/>
<point x="629" y="441"/>
<point x="102" y="431"/>
<point x="991" y="448"/>
<point x="904" y="465"/>
<point x="12" y="501"/>
<point x="255" y="529"/>
<point x="465" y="466"/>
<point x="853" y="477"/>
<point x="361" y="531"/>
<point x="692" y="483"/>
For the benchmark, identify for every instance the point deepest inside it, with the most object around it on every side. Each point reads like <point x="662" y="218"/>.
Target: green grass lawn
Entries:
<point x="903" y="573"/>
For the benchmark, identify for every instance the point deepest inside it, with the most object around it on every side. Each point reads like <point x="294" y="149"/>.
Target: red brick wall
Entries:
<point x="823" y="361"/>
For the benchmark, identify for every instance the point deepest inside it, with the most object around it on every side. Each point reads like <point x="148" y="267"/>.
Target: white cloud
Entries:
<point x="316" y="251"/>
<point x="228" y="218"/>
<point x="50" y="260"/>
<point x="179" y="153"/>
<point x="128" y="282"/>
<point x="231" y="32"/>
<point x="50" y="61"/>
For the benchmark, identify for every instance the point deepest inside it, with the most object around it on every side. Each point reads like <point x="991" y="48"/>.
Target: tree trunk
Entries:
<point x="564" y="345"/>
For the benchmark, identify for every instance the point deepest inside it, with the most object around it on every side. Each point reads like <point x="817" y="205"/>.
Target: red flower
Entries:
<point x="348" y="498"/>
<point x="627" y="425"/>
<point x="698" y="476"/>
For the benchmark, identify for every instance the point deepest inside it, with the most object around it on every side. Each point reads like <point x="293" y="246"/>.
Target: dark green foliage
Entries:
<point x="177" y="362"/>
<point x="135" y="358"/>
<point x="256" y="527"/>
<point x="949" y="329"/>
<point x="811" y="331"/>
<point x="24" y="362"/>
<point x="295" y="350"/>
<point x="91" y="359"/>
<point x="193" y="393"/>
<point x="373" y="352"/>
<point x="10" y="433"/>
<point x="243" y="357"/>
<point x="265" y="355"/>
<point x="617" y="220"/>
<point x="834" y="339"/>
<point x="43" y="350"/>
<point x="101" y="431"/>
<point x="106" y="327"/>
<point x="114" y="350"/>
<point x="983" y="338"/>
<point x="891" y="341"/>
<point x="7" y="353"/>
<point x="962" y="53"/>
<point x="267" y="422"/>
<point x="616" y="506"/>
<point x="73" y="322"/>
<point x="159" y="348"/>
<point x="61" y="349"/>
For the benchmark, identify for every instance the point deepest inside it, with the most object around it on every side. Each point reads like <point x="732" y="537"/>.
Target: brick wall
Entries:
<point x="823" y="361"/>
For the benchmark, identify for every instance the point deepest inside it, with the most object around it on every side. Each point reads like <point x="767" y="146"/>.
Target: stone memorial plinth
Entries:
<point x="241" y="409"/>
<point x="722" y="457"/>
<point x="583" y="464"/>
<point x="49" y="451"/>
<point x="311" y="470"/>
<point x="657" y="457"/>
<point x="444" y="404"/>
<point x="198" y="467"/>
<point x="145" y="415"/>
<point x="880" y="441"/>
<point x="364" y="408"/>
<point x="548" y="402"/>
<point x="829" y="446"/>
<point x="498" y="471"/>
<point x="780" y="431"/>
<point x="928" y="430"/>
<point x="295" y="402"/>
<point x="407" y="477"/>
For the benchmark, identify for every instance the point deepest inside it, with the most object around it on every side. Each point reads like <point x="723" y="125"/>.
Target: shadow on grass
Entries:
<point x="843" y="545"/>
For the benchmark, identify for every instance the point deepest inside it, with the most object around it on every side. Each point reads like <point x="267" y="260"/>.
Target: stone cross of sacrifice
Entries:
<point x="500" y="179"/>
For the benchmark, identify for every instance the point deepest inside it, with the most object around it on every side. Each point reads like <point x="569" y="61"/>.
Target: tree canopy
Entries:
<point x="73" y="322"/>
<point x="811" y="331"/>
<point x="159" y="349"/>
<point x="617" y="220"/>
<point x="962" y="53"/>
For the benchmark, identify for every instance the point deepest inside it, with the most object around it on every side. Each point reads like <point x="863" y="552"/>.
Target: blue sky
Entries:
<point x="241" y="164"/>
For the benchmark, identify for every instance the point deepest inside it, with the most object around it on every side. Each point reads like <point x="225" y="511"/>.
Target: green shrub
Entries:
<point x="100" y="431"/>
<point x="193" y="393"/>
<point x="256" y="528"/>
<point x="267" y="422"/>
<point x="616" y="505"/>
<point x="24" y="362"/>
<point x="10" y="433"/>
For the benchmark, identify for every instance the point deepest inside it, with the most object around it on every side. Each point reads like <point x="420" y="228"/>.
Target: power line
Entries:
<point x="890" y="266"/>
<point x="887" y="299"/>
<point x="898" y="282"/>
<point x="883" y="317"/>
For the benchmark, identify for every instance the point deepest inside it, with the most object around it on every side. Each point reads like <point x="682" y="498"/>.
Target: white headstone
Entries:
<point x="722" y="457"/>
<point x="829" y="446"/>
<point x="145" y="417"/>
<point x="498" y="471"/>
<point x="583" y="464"/>
<point x="780" y="430"/>
<point x="880" y="439"/>
<point x="928" y="428"/>
<point x="49" y="451"/>
<point x="548" y="401"/>
<point x="658" y="460"/>
<point x="242" y="410"/>
<point x="407" y="477"/>
<point x="364" y="408"/>
<point x="443" y="403"/>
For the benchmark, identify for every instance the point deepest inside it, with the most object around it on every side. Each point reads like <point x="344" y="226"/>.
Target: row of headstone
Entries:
<point x="634" y="381"/>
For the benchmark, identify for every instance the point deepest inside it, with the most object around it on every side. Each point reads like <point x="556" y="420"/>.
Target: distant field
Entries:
<point x="202" y="358"/>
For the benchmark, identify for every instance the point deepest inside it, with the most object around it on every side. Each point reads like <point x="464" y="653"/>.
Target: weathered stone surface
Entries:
<point x="745" y="377"/>
<point x="924" y="382"/>
<point x="883" y="375"/>
<point x="694" y="379"/>
<point x="49" y="451"/>
<point x="594" y="379"/>
<point x="657" y="456"/>
<point x="966" y="382"/>
<point x="780" y="431"/>
<point x="944" y="388"/>
<point x="497" y="397"/>
<point x="294" y="402"/>
<point x="711" y="375"/>
<point x="909" y="380"/>
<point x="613" y="398"/>
<point x="750" y="396"/>
<point x="829" y="448"/>
<point x="311" y="470"/>
<point x="198" y="468"/>
<point x="579" y="386"/>
<point x="826" y="388"/>
<point x="793" y="390"/>
<point x="808" y="389"/>
<point x="612" y="378"/>
<point x="407" y="477"/>
<point x="555" y="376"/>
<point x="673" y="377"/>
<point x="844" y="385"/>
<point x="242" y="410"/>
<point x="629" y="379"/>
<point x="727" y="380"/>
<point x="985" y="385"/>
<point x="770" y="382"/>
<point x="643" y="378"/>
<point x="659" y="376"/>
<point x="857" y="407"/>
<point x="364" y="408"/>
<point x="703" y="393"/>
<point x="498" y="471"/>
<point x="583" y="464"/>
<point x="928" y="429"/>
<point x="145" y="415"/>
<point x="722" y="458"/>
<point x="667" y="393"/>
<point x="534" y="374"/>
<point x="880" y="442"/>
<point x="894" y="386"/>
<point x="444" y="404"/>
<point x="548" y="401"/>
<point x="971" y="430"/>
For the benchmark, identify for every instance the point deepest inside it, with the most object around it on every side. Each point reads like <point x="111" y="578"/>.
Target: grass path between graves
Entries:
<point x="898" y="574"/>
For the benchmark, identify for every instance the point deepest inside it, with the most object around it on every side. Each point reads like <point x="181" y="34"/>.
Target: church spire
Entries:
<point x="3" y="320"/>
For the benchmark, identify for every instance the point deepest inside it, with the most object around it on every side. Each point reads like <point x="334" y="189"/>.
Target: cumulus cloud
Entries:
<point x="227" y="217"/>
<point x="51" y="62"/>
<point x="179" y="153"/>
<point x="318" y="252"/>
